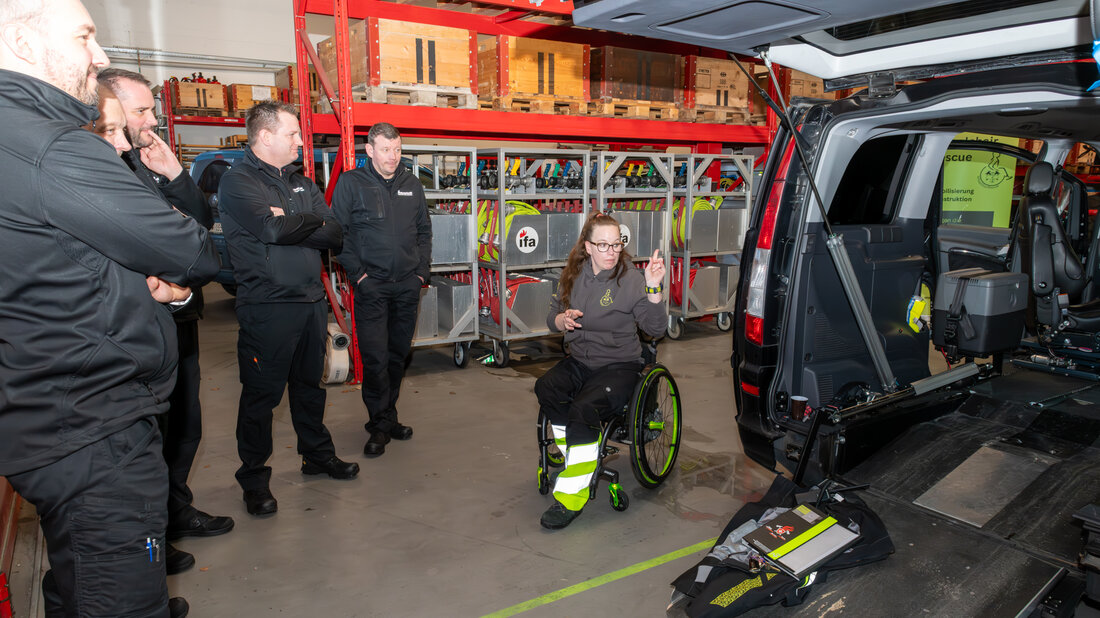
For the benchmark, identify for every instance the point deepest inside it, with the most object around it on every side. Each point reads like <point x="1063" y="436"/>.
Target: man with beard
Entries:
<point x="86" y="253"/>
<point x="154" y="164"/>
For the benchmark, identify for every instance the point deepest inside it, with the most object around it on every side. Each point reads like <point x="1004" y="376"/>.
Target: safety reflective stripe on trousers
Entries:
<point x="571" y="487"/>
<point x="559" y="437"/>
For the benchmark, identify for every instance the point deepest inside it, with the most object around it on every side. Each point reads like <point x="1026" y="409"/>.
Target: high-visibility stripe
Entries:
<point x="571" y="486"/>
<point x="559" y="436"/>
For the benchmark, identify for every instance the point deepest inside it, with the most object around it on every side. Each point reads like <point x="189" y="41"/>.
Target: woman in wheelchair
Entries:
<point x="601" y="302"/>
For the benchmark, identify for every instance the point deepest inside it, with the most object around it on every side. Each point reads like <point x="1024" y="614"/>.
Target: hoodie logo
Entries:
<point x="527" y="240"/>
<point x="606" y="300"/>
<point x="405" y="193"/>
<point x="299" y="189"/>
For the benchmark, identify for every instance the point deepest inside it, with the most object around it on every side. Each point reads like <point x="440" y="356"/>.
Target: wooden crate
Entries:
<point x="286" y="79"/>
<point x="243" y="96"/>
<point x="192" y="97"/>
<point x="715" y="83"/>
<point x="406" y="53"/>
<point x="532" y="75"/>
<point x="632" y="75"/>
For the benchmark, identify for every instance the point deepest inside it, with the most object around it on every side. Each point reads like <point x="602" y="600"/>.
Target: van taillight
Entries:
<point x="758" y="274"/>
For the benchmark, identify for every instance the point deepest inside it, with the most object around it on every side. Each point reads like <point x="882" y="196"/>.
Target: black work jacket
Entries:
<point x="85" y="351"/>
<point x="387" y="231"/>
<point x="275" y="259"/>
<point x="185" y="195"/>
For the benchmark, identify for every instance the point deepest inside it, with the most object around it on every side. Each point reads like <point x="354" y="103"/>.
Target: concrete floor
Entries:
<point x="447" y="523"/>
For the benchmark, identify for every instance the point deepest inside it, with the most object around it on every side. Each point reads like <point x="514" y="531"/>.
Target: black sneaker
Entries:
<point x="177" y="560"/>
<point x="333" y="466"/>
<point x="557" y="517"/>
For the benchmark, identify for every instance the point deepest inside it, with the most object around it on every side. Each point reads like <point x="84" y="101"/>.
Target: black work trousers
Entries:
<point x="102" y="512"/>
<point x="385" y="320"/>
<point x="183" y="423"/>
<point x="579" y="397"/>
<point x="280" y="346"/>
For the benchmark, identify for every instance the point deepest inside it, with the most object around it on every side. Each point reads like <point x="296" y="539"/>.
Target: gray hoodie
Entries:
<point x="613" y="312"/>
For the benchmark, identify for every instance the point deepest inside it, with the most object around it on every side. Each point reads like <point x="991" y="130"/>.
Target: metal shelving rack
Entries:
<point x="646" y="229"/>
<point x="711" y="234"/>
<point x="454" y="243"/>
<point x="516" y="173"/>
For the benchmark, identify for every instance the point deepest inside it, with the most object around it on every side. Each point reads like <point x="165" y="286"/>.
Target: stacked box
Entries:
<point x="806" y="85"/>
<point x="406" y="53"/>
<point x="563" y="229"/>
<point x="630" y="74"/>
<point x="451" y="239"/>
<point x="509" y="66"/>
<point x="194" y="96"/>
<point x="713" y="82"/>
<point x="287" y="79"/>
<point x="243" y="96"/>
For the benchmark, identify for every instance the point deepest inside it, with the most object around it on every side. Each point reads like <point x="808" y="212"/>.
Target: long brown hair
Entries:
<point x="579" y="255"/>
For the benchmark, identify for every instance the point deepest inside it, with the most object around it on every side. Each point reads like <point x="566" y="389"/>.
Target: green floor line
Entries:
<point x="601" y="580"/>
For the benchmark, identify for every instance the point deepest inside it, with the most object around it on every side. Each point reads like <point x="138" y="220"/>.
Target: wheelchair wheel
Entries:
<point x="620" y="501"/>
<point x="554" y="457"/>
<point x="654" y="426"/>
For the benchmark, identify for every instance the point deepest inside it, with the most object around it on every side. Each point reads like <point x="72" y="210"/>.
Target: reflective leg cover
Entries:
<point x="571" y="486"/>
<point x="558" y="432"/>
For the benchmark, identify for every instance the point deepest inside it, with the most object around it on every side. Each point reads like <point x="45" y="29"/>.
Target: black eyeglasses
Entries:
<point x="602" y="247"/>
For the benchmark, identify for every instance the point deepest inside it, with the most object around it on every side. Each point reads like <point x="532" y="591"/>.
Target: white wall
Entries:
<point x="249" y="29"/>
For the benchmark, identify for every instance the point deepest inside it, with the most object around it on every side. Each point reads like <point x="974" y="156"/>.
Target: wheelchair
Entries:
<point x="649" y="425"/>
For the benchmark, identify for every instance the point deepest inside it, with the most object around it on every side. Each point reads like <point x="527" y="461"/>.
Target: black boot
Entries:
<point x="377" y="443"/>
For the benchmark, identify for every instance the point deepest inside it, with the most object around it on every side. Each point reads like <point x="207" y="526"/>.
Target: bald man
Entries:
<point x="87" y="358"/>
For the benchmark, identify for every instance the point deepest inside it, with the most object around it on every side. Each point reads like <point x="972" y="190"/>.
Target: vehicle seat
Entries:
<point x="1057" y="274"/>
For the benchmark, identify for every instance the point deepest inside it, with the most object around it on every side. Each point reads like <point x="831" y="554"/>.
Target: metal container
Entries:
<point x="427" y="320"/>
<point x="649" y="234"/>
<point x="530" y="304"/>
<point x="456" y="300"/>
<point x="451" y="239"/>
<point x="563" y="229"/>
<point x="704" y="290"/>
<point x="704" y="231"/>
<point x="728" y="279"/>
<point x="731" y="228"/>
<point x="527" y="240"/>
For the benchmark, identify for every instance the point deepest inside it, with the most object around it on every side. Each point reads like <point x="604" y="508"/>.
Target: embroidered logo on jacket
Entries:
<point x="606" y="300"/>
<point x="405" y="193"/>
<point x="299" y="189"/>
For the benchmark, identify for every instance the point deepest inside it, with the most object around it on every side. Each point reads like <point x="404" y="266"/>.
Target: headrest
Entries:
<point x="1039" y="179"/>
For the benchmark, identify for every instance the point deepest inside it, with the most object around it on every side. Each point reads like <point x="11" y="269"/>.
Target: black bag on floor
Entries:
<point x="724" y="583"/>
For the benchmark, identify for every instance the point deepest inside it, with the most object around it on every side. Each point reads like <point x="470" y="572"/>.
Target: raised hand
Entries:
<point x="655" y="270"/>
<point x="159" y="158"/>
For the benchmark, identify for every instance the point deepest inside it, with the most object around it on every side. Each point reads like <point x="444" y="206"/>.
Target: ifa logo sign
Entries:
<point x="624" y="235"/>
<point x="527" y="240"/>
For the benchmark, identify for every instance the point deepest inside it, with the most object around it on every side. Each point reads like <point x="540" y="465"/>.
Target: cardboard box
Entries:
<point x="715" y="82"/>
<point x="244" y="96"/>
<point x="630" y="74"/>
<point x="523" y="67"/>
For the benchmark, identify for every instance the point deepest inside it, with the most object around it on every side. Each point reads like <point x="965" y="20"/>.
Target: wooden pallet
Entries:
<point x="714" y="114"/>
<point x="202" y="111"/>
<point x="535" y="105"/>
<point x="417" y="94"/>
<point x="624" y="108"/>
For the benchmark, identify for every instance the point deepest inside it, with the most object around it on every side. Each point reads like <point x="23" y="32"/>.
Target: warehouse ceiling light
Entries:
<point x="168" y="58"/>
